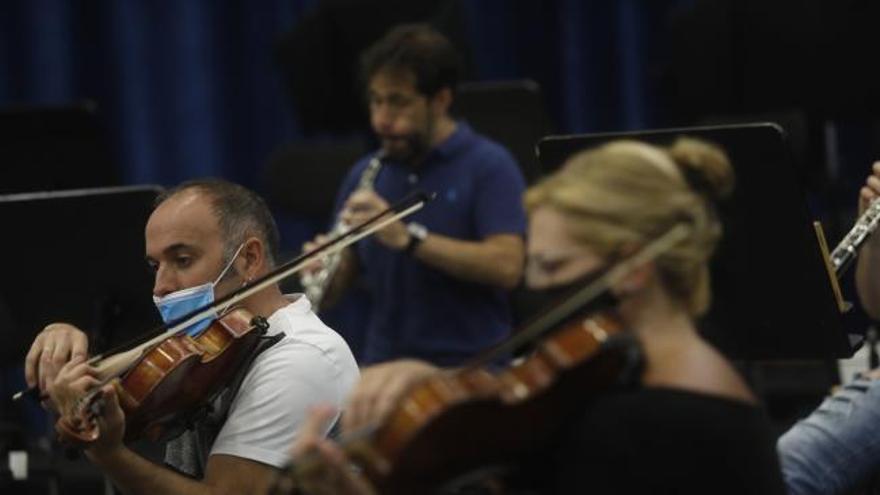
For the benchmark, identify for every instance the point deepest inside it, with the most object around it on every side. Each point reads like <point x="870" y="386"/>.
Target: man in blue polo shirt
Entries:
<point x="439" y="278"/>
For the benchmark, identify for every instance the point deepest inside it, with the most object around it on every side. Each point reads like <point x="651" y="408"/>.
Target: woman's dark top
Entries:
<point x="660" y="441"/>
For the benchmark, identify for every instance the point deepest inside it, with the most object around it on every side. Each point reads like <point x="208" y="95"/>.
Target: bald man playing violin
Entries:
<point x="209" y="237"/>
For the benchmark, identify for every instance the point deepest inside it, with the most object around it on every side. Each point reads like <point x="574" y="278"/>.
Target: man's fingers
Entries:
<point x="112" y="409"/>
<point x="61" y="352"/>
<point x="78" y="368"/>
<point x="72" y="368"/>
<point x="32" y="362"/>
<point x="361" y="196"/>
<point x="874" y="183"/>
<point x="109" y="393"/>
<point x="79" y="346"/>
<point x="365" y="202"/>
<point x="318" y="241"/>
<point x="866" y="197"/>
<point x="85" y="384"/>
<point x="360" y="218"/>
<point x="317" y="263"/>
<point x="48" y="370"/>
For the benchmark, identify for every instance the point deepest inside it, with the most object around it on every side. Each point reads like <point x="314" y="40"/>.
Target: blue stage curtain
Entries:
<point x="189" y="87"/>
<point x="598" y="61"/>
<point x="186" y="87"/>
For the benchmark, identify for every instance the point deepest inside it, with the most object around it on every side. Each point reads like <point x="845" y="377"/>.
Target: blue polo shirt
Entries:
<point x="419" y="311"/>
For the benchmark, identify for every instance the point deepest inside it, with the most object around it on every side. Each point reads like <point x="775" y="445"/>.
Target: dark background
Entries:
<point x="193" y="88"/>
<point x="255" y="90"/>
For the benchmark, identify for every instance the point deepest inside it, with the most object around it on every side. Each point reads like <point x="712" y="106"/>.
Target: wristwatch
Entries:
<point x="417" y="234"/>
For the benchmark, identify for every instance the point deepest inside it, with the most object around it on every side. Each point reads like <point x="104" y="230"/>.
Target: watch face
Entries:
<point x="417" y="230"/>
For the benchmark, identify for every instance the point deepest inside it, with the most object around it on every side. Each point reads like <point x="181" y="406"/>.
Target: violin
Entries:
<point x="451" y="423"/>
<point x="172" y="380"/>
<point x="458" y="425"/>
<point x="163" y="379"/>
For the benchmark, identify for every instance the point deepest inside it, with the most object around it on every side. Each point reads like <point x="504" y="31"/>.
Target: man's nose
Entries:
<point x="164" y="283"/>
<point x="383" y="121"/>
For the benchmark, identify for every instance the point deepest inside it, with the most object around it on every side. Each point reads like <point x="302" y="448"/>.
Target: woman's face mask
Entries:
<point x="182" y="302"/>
<point x="534" y="302"/>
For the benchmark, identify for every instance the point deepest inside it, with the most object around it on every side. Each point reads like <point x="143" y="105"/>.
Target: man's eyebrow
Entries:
<point x="177" y="247"/>
<point x="172" y="249"/>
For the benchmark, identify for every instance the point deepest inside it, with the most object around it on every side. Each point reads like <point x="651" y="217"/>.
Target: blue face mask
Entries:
<point x="182" y="302"/>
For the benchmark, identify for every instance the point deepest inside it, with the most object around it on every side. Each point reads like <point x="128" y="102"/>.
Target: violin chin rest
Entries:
<point x="76" y="435"/>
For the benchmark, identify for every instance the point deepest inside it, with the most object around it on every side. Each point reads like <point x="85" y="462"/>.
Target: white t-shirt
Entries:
<point x="311" y="365"/>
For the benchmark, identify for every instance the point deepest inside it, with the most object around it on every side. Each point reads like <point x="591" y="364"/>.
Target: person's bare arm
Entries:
<point x="868" y="262"/>
<point x="496" y="260"/>
<point x="224" y="475"/>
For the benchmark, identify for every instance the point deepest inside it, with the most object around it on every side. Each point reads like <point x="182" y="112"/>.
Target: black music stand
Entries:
<point x="513" y="113"/>
<point x="772" y="297"/>
<point x="76" y="256"/>
<point x="50" y="148"/>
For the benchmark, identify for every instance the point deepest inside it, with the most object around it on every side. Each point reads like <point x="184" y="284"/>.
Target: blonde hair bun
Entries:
<point x="705" y="167"/>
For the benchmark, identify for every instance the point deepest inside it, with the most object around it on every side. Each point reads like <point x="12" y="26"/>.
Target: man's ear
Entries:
<point x="253" y="258"/>
<point x="442" y="100"/>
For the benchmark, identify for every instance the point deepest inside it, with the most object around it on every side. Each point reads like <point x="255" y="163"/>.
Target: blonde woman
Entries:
<point x="693" y="426"/>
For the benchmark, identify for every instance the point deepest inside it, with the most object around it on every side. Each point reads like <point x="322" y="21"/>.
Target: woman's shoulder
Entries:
<point x="665" y="441"/>
<point x="659" y="403"/>
<point x="666" y="419"/>
<point x="673" y="438"/>
<point x="697" y="367"/>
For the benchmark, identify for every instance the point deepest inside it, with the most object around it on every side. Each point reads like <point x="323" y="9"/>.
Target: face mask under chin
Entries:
<point x="180" y="303"/>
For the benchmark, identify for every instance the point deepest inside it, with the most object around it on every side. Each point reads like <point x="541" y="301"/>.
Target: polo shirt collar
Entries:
<point x="456" y="141"/>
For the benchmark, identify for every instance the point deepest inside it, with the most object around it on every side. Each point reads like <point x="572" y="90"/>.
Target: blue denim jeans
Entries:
<point x="837" y="446"/>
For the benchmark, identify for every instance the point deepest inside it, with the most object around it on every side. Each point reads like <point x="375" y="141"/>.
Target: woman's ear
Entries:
<point x="635" y="281"/>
